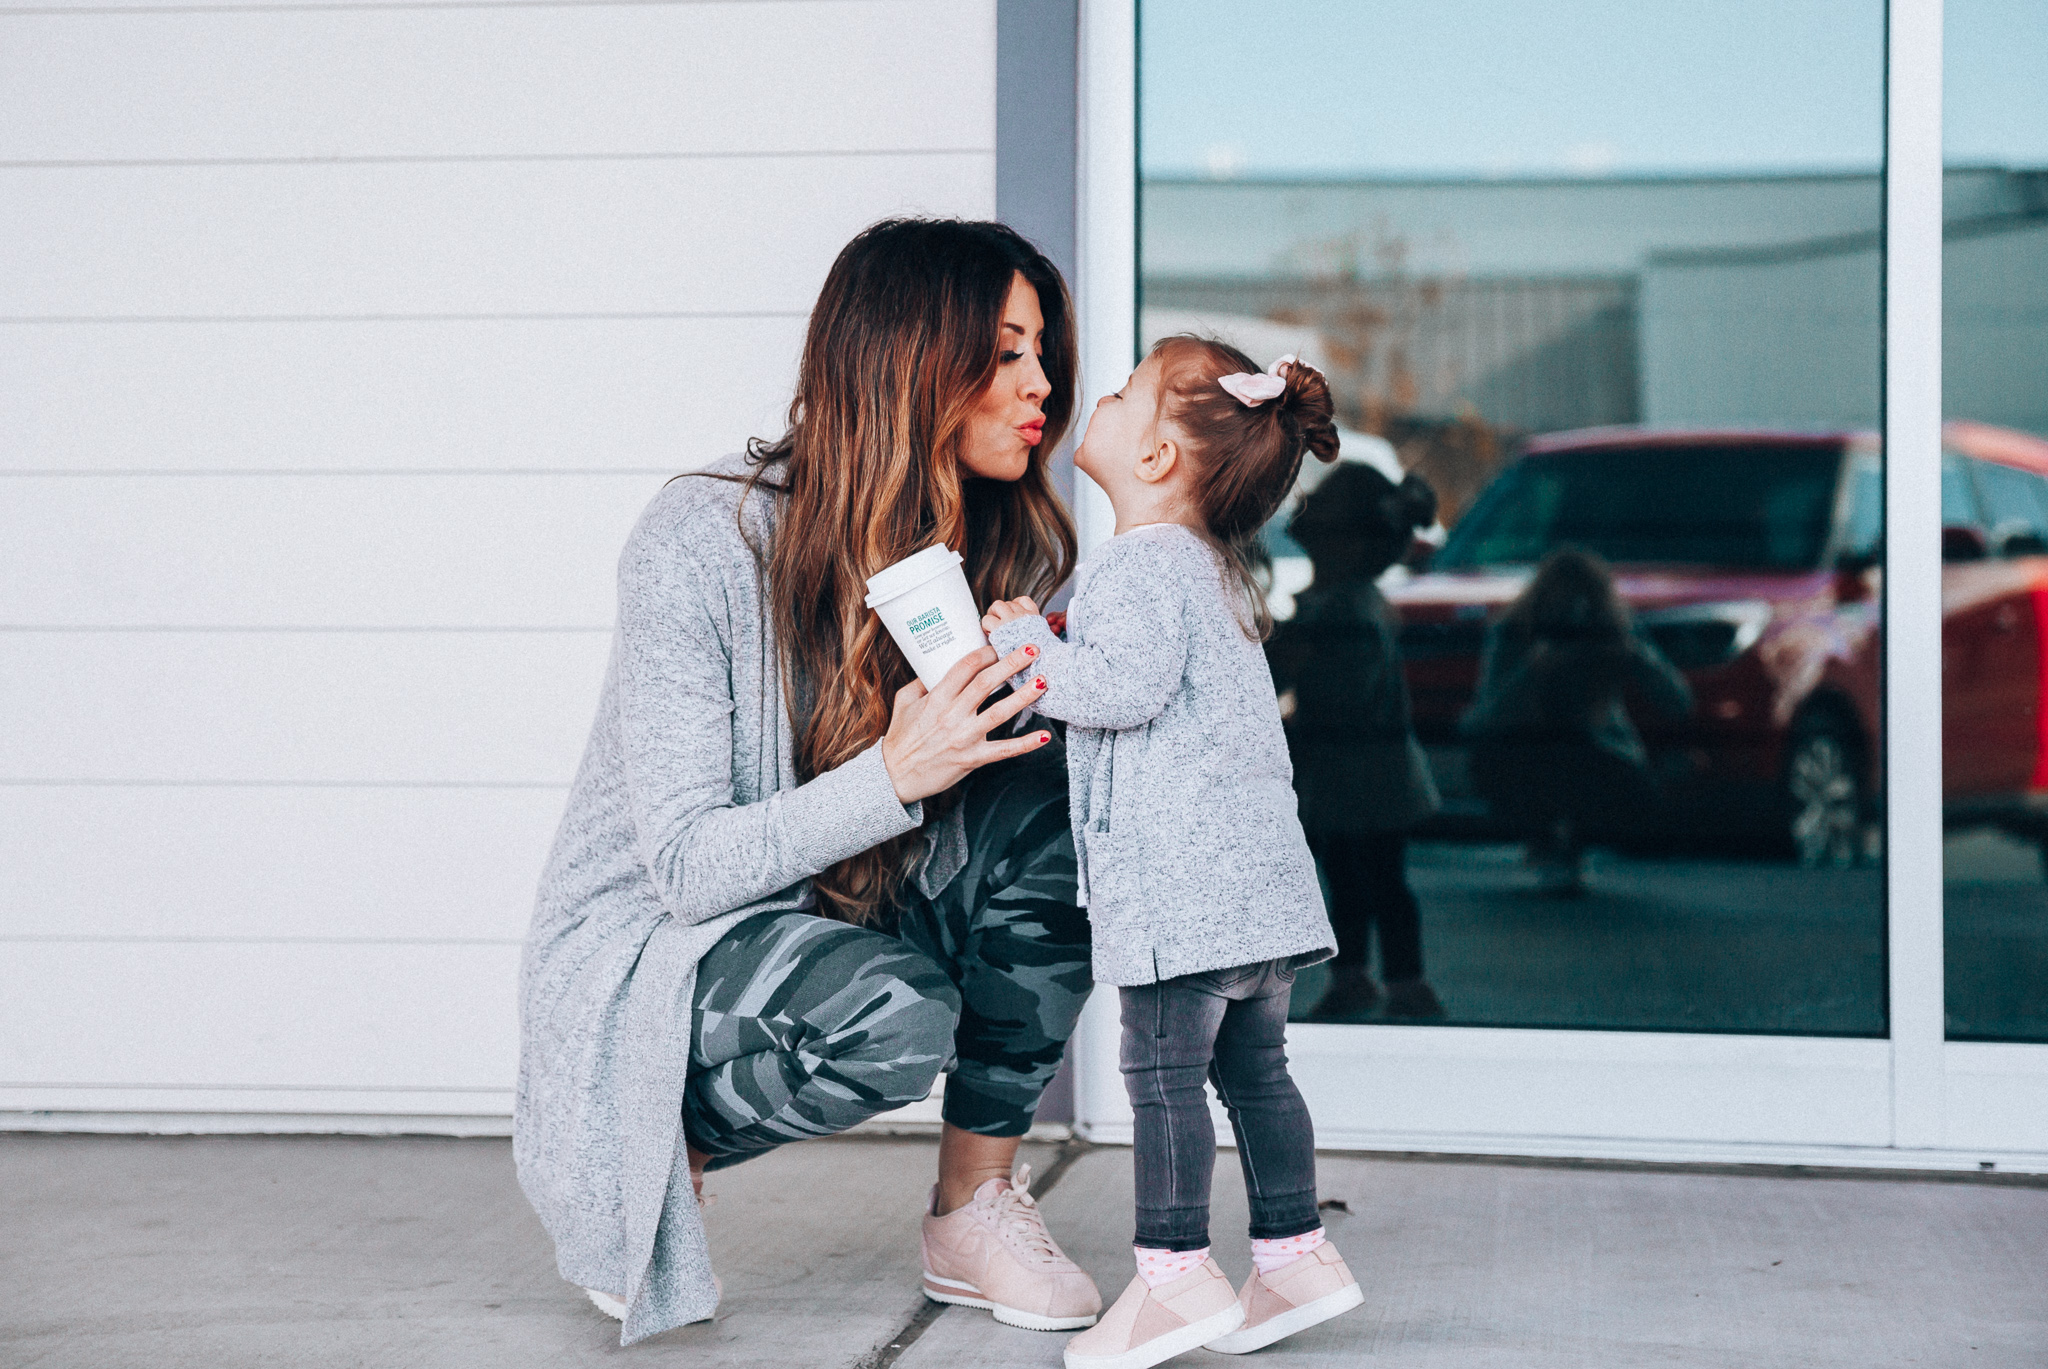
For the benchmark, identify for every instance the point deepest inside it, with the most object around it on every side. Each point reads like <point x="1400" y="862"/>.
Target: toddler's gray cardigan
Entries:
<point x="1191" y="852"/>
<point x="684" y="817"/>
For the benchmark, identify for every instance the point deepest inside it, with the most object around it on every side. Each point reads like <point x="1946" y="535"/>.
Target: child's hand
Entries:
<point x="1003" y="610"/>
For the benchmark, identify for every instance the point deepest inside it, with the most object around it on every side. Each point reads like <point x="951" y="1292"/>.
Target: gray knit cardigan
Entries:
<point x="684" y="817"/>
<point x="1192" y="855"/>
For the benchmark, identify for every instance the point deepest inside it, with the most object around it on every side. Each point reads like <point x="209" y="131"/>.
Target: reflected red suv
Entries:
<point x="1751" y="560"/>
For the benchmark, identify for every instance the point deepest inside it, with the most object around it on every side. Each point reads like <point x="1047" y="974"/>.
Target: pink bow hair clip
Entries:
<point x="1253" y="390"/>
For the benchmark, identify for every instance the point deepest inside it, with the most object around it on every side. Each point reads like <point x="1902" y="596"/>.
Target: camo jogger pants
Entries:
<point x="804" y="1026"/>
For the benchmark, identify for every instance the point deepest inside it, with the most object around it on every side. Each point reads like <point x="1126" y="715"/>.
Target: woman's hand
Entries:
<point x="1003" y="610"/>
<point x="936" y="738"/>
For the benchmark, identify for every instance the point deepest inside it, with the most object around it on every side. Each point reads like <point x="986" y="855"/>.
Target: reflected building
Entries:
<point x="1556" y="303"/>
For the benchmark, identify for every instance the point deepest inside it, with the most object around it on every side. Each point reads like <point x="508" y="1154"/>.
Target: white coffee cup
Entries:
<point x="925" y="603"/>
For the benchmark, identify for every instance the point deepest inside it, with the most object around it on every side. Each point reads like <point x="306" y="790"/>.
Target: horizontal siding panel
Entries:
<point x="223" y="6"/>
<point x="492" y="81"/>
<point x="720" y="236"/>
<point x="30" y="7"/>
<point x="260" y="1016"/>
<point x="198" y="863"/>
<point x="319" y="1112"/>
<point x="316" y="551"/>
<point x="654" y="394"/>
<point x="380" y="708"/>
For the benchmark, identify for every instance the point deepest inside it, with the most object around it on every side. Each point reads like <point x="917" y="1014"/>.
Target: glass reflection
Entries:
<point x="1994" y="514"/>
<point x="1594" y="741"/>
<point x="1362" y="777"/>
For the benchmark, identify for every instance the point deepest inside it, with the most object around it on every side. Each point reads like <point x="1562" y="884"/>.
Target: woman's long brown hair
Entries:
<point x="902" y="345"/>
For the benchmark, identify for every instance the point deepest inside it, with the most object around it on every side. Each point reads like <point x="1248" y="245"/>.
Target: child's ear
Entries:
<point x="1157" y="464"/>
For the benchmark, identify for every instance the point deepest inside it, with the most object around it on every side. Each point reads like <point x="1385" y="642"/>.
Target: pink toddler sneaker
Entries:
<point x="1147" y="1326"/>
<point x="996" y="1254"/>
<point x="1292" y="1298"/>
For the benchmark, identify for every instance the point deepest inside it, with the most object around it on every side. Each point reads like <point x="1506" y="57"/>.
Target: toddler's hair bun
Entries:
<point x="1305" y="405"/>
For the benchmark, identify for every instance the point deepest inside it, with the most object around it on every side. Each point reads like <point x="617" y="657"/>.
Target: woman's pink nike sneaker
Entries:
<point x="996" y="1254"/>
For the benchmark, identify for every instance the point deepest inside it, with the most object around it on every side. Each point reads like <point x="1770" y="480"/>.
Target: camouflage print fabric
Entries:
<point x="804" y="1027"/>
<point x="1008" y="933"/>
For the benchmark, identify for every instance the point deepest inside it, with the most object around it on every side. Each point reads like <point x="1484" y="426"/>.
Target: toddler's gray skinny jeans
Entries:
<point x="1228" y="1026"/>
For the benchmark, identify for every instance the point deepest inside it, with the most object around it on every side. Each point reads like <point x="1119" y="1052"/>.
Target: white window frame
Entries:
<point x="1912" y="1100"/>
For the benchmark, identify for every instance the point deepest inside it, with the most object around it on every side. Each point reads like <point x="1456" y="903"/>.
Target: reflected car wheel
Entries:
<point x="1824" y="789"/>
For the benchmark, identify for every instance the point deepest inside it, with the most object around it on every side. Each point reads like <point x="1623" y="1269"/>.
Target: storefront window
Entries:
<point x="1597" y="741"/>
<point x="1994" y="513"/>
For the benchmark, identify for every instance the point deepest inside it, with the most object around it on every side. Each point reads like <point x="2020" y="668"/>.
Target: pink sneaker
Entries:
<point x="1151" y="1325"/>
<point x="1293" y="1298"/>
<point x="996" y="1254"/>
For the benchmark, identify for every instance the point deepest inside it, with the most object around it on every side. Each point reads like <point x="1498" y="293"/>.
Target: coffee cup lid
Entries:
<point x="909" y="573"/>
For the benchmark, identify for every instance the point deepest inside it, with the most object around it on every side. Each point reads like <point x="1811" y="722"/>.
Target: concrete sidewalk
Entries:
<point x="221" y="1252"/>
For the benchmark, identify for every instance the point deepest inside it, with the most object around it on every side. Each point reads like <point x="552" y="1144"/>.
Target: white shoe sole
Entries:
<point x="1287" y="1323"/>
<point x="961" y="1294"/>
<point x="1162" y="1348"/>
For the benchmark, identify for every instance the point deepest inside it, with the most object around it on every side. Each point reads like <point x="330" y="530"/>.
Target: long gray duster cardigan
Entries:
<point x="685" y="817"/>
<point x="1192" y="857"/>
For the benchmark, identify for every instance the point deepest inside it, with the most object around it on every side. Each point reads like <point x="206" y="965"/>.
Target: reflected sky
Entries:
<point x="1336" y="87"/>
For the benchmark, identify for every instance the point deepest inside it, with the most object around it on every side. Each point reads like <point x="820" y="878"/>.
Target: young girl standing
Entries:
<point x="1361" y="774"/>
<point x="1201" y="893"/>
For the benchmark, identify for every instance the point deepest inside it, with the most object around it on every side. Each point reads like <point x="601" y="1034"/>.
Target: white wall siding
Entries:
<point x="382" y="394"/>
<point x="274" y="862"/>
<point x="282" y="707"/>
<point x="391" y="549"/>
<point x="692" y="236"/>
<point x="489" y="80"/>
<point x="262" y="1016"/>
<point x="339" y="348"/>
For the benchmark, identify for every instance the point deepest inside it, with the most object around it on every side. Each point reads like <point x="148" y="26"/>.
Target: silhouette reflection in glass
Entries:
<point x="1360" y="775"/>
<point x="1554" y="752"/>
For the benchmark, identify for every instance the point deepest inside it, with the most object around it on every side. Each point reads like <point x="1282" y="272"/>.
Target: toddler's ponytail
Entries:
<point x="1305" y="407"/>
<point x="1246" y="432"/>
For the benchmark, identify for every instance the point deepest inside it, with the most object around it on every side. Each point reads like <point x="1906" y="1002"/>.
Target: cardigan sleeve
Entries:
<point x="706" y="854"/>
<point x="1132" y="651"/>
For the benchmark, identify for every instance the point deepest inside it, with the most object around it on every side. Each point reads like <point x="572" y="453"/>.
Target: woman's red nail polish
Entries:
<point x="1044" y="737"/>
<point x="1030" y="650"/>
<point x="1038" y="683"/>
